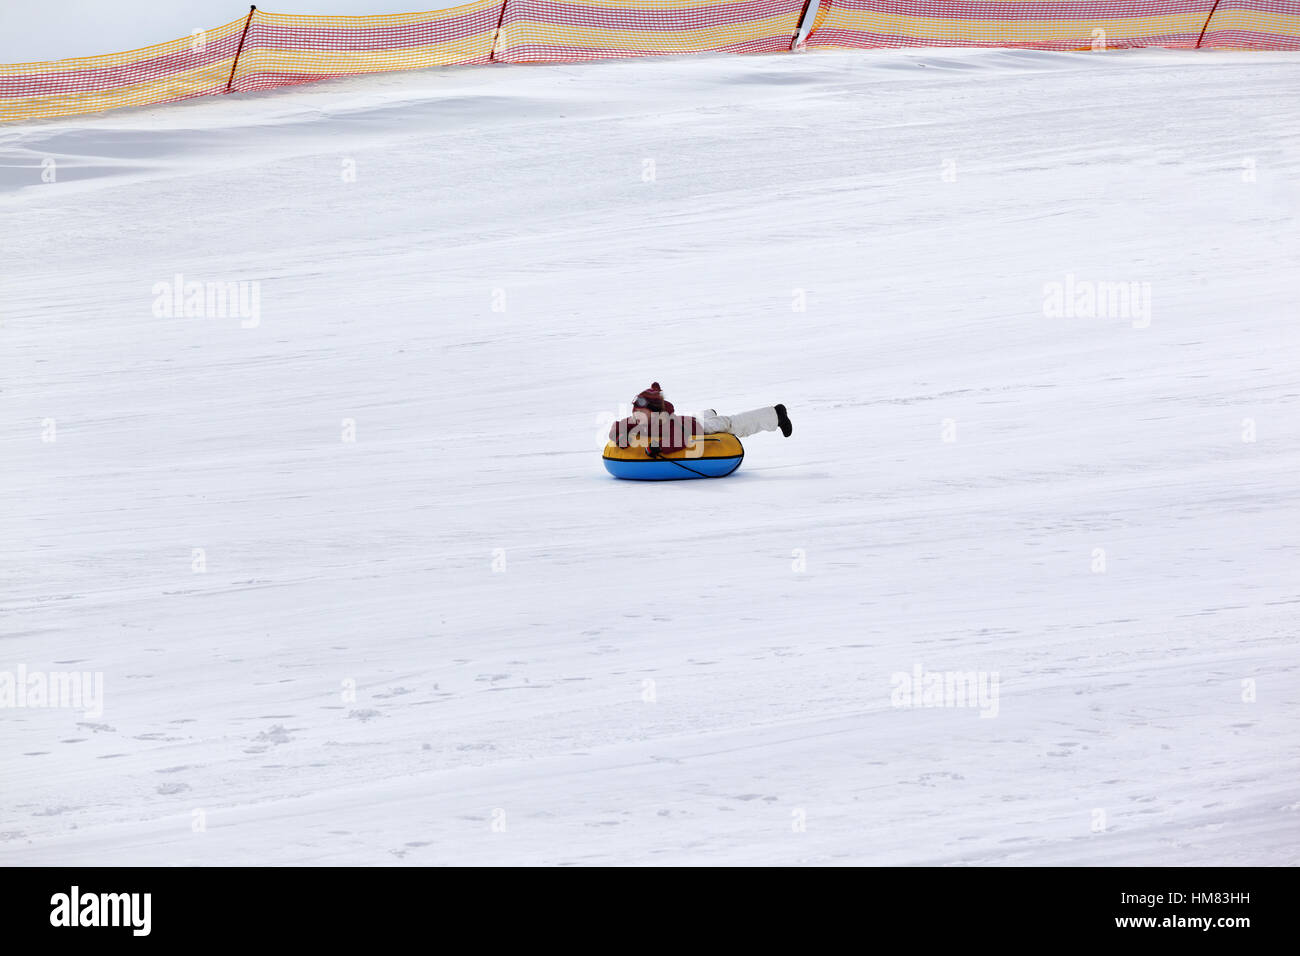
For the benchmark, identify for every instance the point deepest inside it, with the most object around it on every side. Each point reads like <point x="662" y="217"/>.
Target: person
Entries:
<point x="655" y="424"/>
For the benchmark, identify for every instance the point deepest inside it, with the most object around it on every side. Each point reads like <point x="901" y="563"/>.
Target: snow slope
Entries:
<point x="641" y="674"/>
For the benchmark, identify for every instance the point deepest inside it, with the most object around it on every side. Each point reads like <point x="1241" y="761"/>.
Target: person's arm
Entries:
<point x="678" y="434"/>
<point x="623" y="431"/>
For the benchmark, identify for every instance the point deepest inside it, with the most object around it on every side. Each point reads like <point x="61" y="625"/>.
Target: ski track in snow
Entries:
<point x="516" y="696"/>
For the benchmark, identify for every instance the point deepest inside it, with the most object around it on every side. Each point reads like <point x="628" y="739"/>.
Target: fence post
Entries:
<point x="251" y="10"/>
<point x="500" y="20"/>
<point x="1207" y="24"/>
<point x="803" y="15"/>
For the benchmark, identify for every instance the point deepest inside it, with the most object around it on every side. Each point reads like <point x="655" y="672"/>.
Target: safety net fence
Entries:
<point x="1057" y="24"/>
<point x="263" y="50"/>
<point x="546" y="30"/>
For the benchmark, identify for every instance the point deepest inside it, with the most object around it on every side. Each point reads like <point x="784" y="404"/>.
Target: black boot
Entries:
<point x="783" y="421"/>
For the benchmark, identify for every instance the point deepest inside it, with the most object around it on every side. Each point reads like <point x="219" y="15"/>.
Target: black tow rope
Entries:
<point x="652" y="451"/>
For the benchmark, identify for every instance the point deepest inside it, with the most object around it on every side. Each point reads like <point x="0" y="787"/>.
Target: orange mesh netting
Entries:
<point x="287" y="48"/>
<point x="265" y="50"/>
<point x="1256" y="25"/>
<point x="539" y="30"/>
<point x="1056" y="24"/>
<point x="192" y="66"/>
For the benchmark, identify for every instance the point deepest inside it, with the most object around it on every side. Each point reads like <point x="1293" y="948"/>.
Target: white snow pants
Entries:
<point x="741" y="424"/>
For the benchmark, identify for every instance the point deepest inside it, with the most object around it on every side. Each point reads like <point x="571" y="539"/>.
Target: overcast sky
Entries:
<point x="52" y="29"/>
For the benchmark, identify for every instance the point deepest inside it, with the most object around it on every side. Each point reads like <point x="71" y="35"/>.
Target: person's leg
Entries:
<point x="752" y="422"/>
<point x="743" y="423"/>
<point x="712" y="423"/>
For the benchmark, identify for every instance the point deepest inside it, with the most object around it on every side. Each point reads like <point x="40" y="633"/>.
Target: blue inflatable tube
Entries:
<point x="709" y="456"/>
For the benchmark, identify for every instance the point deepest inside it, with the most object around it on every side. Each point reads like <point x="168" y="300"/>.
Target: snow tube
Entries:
<point x="709" y="456"/>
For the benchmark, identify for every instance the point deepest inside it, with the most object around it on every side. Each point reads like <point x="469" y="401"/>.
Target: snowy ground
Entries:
<point x="641" y="674"/>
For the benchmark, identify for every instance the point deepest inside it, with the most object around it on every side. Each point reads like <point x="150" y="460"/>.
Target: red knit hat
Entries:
<point x="652" y="397"/>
